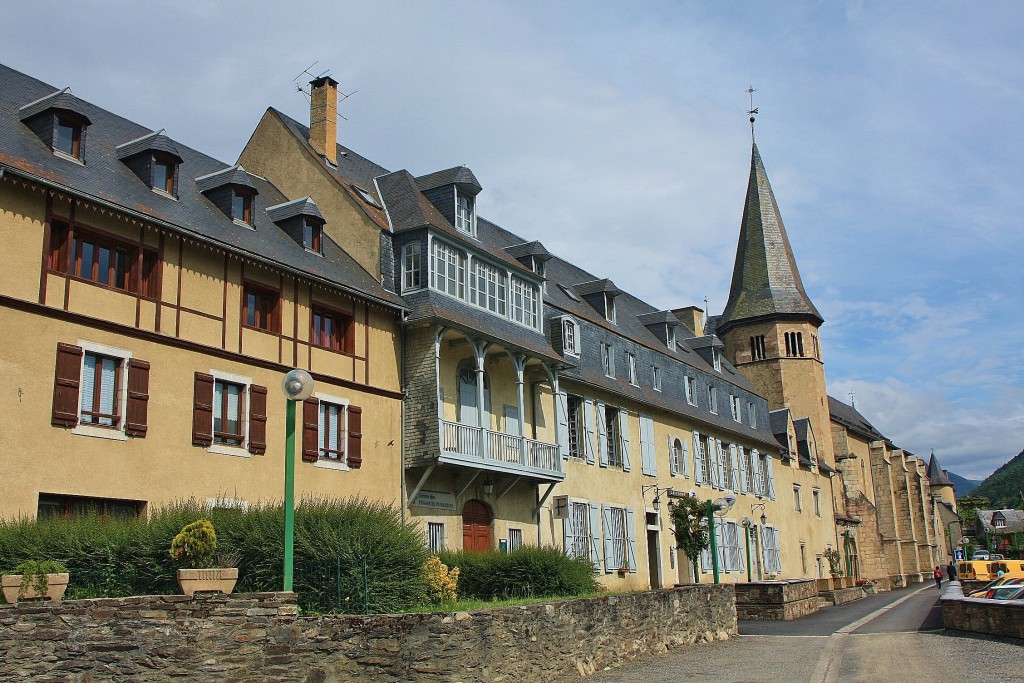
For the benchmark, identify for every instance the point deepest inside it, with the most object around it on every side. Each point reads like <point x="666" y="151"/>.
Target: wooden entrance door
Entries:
<point x="476" y="526"/>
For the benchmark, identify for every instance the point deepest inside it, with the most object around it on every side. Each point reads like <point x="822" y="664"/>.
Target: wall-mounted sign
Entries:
<point x="436" y="500"/>
<point x="561" y="507"/>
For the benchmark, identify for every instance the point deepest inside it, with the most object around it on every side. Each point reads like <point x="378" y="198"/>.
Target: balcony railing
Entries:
<point x="502" y="451"/>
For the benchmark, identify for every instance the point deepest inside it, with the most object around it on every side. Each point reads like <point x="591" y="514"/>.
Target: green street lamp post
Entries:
<point x="721" y="505"/>
<point x="297" y="386"/>
<point x="746" y="537"/>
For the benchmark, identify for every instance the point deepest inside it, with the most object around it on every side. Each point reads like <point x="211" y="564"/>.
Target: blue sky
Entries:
<point x="617" y="134"/>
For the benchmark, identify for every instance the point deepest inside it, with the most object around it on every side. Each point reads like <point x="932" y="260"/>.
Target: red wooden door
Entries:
<point x="476" y="526"/>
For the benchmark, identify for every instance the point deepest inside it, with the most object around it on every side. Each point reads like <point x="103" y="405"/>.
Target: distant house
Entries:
<point x="1001" y="531"/>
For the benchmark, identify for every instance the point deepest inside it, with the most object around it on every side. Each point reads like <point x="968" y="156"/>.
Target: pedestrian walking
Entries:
<point x="951" y="571"/>
<point x="938" y="577"/>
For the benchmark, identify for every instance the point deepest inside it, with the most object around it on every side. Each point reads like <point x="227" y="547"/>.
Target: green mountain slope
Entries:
<point x="963" y="485"/>
<point x="1004" y="486"/>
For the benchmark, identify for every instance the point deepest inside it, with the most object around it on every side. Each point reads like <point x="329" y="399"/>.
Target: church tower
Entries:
<point x="769" y="325"/>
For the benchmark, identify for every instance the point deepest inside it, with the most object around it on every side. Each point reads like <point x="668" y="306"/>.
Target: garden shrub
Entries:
<point x="442" y="582"/>
<point x="350" y="555"/>
<point x="528" y="571"/>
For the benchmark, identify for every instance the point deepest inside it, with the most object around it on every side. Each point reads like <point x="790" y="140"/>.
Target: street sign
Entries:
<point x="958" y="554"/>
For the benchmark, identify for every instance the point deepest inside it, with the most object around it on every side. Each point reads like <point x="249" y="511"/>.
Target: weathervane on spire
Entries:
<point x="752" y="111"/>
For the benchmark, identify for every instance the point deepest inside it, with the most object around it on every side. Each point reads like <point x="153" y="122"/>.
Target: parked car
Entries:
<point x="1004" y="592"/>
<point x="980" y="555"/>
<point x="1002" y="581"/>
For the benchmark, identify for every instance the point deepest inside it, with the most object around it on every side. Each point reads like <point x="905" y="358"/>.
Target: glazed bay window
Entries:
<point x="100" y="391"/>
<point x="449" y="272"/>
<point x="525" y="302"/>
<point x="411" y="277"/>
<point x="261" y="308"/>
<point x="487" y="288"/>
<point x="333" y="330"/>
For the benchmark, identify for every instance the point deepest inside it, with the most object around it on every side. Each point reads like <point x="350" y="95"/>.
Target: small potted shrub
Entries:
<point x="36" y="579"/>
<point x="195" y="548"/>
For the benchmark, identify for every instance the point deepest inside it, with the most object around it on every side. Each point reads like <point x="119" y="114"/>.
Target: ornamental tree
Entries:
<point x="691" y="535"/>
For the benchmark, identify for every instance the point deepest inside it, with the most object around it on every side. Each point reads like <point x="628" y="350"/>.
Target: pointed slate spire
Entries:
<point x="936" y="475"/>
<point x="765" y="279"/>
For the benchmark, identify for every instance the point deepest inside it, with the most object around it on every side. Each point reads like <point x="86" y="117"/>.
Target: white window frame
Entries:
<point x="412" y="267"/>
<point x="241" y="450"/>
<point x="465" y="224"/>
<point x="608" y="359"/>
<point x="120" y="392"/>
<point x="752" y="412"/>
<point x="816" y="498"/>
<point x="515" y="538"/>
<point x="570" y="336"/>
<point x="452" y="258"/>
<point x="716" y="358"/>
<point x="798" y="503"/>
<point x="736" y="404"/>
<point x="688" y="387"/>
<point x="609" y="307"/>
<point x="435" y="537"/>
<point x="631" y="368"/>
<point x="656" y="377"/>
<point x="322" y="461"/>
<point x="615" y="513"/>
<point x="495" y="287"/>
<point x="582" y="539"/>
<point x="713" y="398"/>
<point x="524" y="307"/>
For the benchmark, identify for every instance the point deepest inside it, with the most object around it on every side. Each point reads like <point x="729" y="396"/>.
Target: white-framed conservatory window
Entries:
<point x="449" y="272"/>
<point x="487" y="287"/>
<point x="525" y="302"/>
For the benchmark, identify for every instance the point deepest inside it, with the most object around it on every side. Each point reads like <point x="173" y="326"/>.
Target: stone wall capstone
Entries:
<point x="261" y="637"/>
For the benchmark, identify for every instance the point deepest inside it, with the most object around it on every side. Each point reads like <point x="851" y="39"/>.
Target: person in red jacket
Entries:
<point x="938" y="577"/>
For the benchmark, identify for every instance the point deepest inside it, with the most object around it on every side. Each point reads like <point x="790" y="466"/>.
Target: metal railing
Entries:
<point x="498" y="446"/>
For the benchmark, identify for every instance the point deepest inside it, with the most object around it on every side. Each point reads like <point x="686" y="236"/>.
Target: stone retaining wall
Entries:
<point x="259" y="637"/>
<point x="776" y="600"/>
<point x="843" y="596"/>
<point x="977" y="615"/>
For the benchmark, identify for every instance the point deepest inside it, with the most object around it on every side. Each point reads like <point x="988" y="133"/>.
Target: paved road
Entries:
<point x="895" y="636"/>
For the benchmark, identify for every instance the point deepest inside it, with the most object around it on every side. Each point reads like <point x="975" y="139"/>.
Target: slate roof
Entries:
<point x="765" y="281"/>
<point x="156" y="142"/>
<point x="105" y="180"/>
<point x="848" y="416"/>
<point x="234" y="175"/>
<point x="59" y="99"/>
<point x="1014" y="521"/>
<point x="459" y="175"/>
<point x="297" y="207"/>
<point x="936" y="475"/>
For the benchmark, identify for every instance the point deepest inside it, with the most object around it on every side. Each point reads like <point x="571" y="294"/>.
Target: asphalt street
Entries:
<point x="895" y="636"/>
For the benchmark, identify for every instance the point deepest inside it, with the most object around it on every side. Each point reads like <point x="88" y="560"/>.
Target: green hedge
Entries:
<point x="528" y="571"/>
<point x="350" y="556"/>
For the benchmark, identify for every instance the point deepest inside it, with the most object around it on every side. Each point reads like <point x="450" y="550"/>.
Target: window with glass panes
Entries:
<point x="611" y="430"/>
<point x="332" y="431"/>
<point x="332" y="330"/>
<point x="578" y="535"/>
<point x="570" y="337"/>
<point x="464" y="213"/>
<point x="411" y="278"/>
<point x="69" y="137"/>
<point x="487" y="287"/>
<point x="525" y="302"/>
<point x="615" y="535"/>
<point x="449" y="272"/>
<point x="312" y="235"/>
<point x="101" y="390"/>
<point x="241" y="205"/>
<point x="260" y="308"/>
<point x="228" y="413"/>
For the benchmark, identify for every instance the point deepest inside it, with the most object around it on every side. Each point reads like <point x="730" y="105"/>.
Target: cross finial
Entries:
<point x="752" y="111"/>
<point x="853" y="399"/>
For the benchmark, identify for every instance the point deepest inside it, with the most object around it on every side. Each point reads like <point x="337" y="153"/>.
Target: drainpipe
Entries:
<point x="401" y="428"/>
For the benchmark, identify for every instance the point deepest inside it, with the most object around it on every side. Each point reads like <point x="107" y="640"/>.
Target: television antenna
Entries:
<point x="308" y="75"/>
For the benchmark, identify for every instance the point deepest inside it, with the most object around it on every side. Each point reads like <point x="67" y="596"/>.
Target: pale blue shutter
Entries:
<point x="568" y="532"/>
<point x="89" y="387"/>
<point x="595" y="536"/>
<point x="720" y="543"/>
<point x="686" y="457"/>
<point x="562" y="422"/>
<point x="609" y="546"/>
<point x="108" y="391"/>
<point x="698" y="462"/>
<point x="744" y="478"/>
<point x="771" y="477"/>
<point x="775" y="548"/>
<point x="713" y="463"/>
<point x="673" y="464"/>
<point x="755" y="462"/>
<point x="602" y="437"/>
<point x="648" y="462"/>
<point x="588" y="425"/>
<point x="631" y="539"/>
<point x="321" y="428"/>
<point x="624" y="439"/>
<point x="734" y="454"/>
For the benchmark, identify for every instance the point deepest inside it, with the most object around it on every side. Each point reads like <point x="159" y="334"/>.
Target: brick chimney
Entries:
<point x="693" y="318"/>
<point x="323" y="118"/>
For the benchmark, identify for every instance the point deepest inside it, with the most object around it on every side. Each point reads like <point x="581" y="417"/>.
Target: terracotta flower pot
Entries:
<point x="216" y="580"/>
<point x="13" y="589"/>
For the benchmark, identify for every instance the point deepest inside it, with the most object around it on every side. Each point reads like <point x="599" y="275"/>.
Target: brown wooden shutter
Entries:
<point x="202" y="411"/>
<point x="355" y="437"/>
<point x="311" y="430"/>
<point x="66" y="378"/>
<point x="138" y="398"/>
<point x="257" y="420"/>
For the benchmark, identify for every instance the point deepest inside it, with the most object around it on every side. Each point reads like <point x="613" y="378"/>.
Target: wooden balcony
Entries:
<point x="506" y="453"/>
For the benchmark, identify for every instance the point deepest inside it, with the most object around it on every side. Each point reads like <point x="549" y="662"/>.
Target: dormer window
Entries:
<point x="465" y="218"/>
<point x="59" y="120"/>
<point x="311" y="235"/>
<point x="69" y="136"/>
<point x="671" y="338"/>
<point x="609" y="307"/>
<point x="570" y="337"/>
<point x="716" y="357"/>
<point x="164" y="167"/>
<point x="241" y="205"/>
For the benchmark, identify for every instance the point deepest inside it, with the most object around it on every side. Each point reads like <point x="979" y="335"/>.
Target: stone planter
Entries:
<point x="216" y="580"/>
<point x="13" y="591"/>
